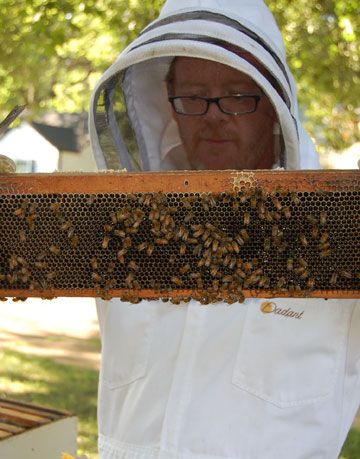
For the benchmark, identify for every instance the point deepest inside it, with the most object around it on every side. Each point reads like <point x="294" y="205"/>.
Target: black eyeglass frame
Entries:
<point x="216" y="100"/>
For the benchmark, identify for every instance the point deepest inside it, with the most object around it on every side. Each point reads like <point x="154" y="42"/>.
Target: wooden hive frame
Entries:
<point x="337" y="202"/>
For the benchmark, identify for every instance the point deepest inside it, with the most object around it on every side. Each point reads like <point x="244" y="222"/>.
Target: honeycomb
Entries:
<point x="244" y="241"/>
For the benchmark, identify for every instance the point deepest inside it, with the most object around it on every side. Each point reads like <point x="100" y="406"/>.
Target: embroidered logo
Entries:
<point x="269" y="307"/>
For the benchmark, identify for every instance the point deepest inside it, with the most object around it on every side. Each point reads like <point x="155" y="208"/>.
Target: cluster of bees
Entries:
<point x="204" y="246"/>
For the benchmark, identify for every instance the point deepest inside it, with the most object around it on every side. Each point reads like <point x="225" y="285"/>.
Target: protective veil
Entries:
<point x="195" y="382"/>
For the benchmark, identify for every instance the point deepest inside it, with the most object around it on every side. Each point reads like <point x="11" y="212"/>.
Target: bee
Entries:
<point x="22" y="236"/>
<point x="226" y="260"/>
<point x="195" y="275"/>
<point x="346" y="274"/>
<point x="122" y="215"/>
<point x="22" y="261"/>
<point x="290" y="264"/>
<point x="314" y="232"/>
<point x="214" y="271"/>
<point x="303" y="240"/>
<point x="132" y="265"/>
<point x="323" y="238"/>
<point x="310" y="283"/>
<point x="31" y="221"/>
<point x="105" y="242"/>
<point x="54" y="249"/>
<point x="66" y="226"/>
<point x="196" y="250"/>
<point x="161" y="241"/>
<point x="323" y="218"/>
<point x="182" y="250"/>
<point x="129" y="279"/>
<point x="263" y="282"/>
<point x="281" y="282"/>
<point x="108" y="228"/>
<point x="94" y="264"/>
<point x="41" y="256"/>
<point x="246" y="218"/>
<point x="276" y="216"/>
<point x="121" y="256"/>
<point x="303" y="263"/>
<point x="268" y="216"/>
<point x="55" y="207"/>
<point x="127" y="243"/>
<point x="199" y="232"/>
<point x="172" y="258"/>
<point x="312" y="220"/>
<point x="325" y="253"/>
<point x="177" y="281"/>
<point x="74" y="241"/>
<point x="142" y="246"/>
<point x="275" y="231"/>
<point x="287" y="212"/>
<point x="20" y="212"/>
<point x="208" y="242"/>
<point x="304" y="274"/>
<point x="333" y="278"/>
<point x="244" y="234"/>
<point x="267" y="244"/>
<point x="32" y="208"/>
<point x="188" y="217"/>
<point x="239" y="240"/>
<point x="184" y="269"/>
<point x="13" y="262"/>
<point x="253" y="202"/>
<point x="119" y="233"/>
<point x="235" y="247"/>
<point x="90" y="200"/>
<point x="40" y="264"/>
<point x="150" y="250"/>
<point x="232" y="263"/>
<point x="227" y="279"/>
<point x="216" y="284"/>
<point x="215" y="245"/>
<point x="51" y="276"/>
<point x="3" y="298"/>
<point x="276" y="203"/>
<point x="248" y="266"/>
<point x="295" y="198"/>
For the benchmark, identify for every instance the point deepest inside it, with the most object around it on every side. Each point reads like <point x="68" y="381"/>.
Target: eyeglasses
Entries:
<point x="236" y="104"/>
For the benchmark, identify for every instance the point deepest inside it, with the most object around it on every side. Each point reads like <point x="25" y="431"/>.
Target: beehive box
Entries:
<point x="221" y="235"/>
<point x="30" y="431"/>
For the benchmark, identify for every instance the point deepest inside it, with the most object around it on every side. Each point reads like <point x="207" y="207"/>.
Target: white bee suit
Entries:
<point x="212" y="382"/>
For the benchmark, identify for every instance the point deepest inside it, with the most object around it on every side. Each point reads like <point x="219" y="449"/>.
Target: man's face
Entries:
<point x="217" y="140"/>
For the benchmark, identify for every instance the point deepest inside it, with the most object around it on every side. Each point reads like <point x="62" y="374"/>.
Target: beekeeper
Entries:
<point x="206" y="86"/>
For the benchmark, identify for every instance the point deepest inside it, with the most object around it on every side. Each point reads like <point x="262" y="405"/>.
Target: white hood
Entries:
<point x="198" y="28"/>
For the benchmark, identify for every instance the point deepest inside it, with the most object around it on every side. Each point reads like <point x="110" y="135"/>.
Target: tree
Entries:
<point x="53" y="52"/>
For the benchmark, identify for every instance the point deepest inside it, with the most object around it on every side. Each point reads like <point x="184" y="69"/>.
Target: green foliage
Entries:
<point x="53" y="52"/>
<point x="351" y="448"/>
<point x="65" y="387"/>
<point x="322" y="42"/>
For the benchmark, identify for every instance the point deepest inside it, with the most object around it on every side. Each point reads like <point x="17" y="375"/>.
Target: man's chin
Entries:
<point x="213" y="164"/>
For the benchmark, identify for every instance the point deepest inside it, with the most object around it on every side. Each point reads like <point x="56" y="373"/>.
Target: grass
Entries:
<point x="68" y="387"/>
<point x="42" y="381"/>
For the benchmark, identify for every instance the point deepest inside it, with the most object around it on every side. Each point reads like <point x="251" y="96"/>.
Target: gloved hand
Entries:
<point x="7" y="165"/>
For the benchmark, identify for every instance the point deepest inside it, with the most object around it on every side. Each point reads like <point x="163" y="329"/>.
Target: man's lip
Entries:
<point x="217" y="140"/>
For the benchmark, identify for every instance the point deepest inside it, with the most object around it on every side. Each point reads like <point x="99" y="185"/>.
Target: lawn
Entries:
<point x="42" y="381"/>
<point x="68" y="387"/>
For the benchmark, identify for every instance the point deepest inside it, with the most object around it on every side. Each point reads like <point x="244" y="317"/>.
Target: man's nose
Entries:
<point x="214" y="113"/>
